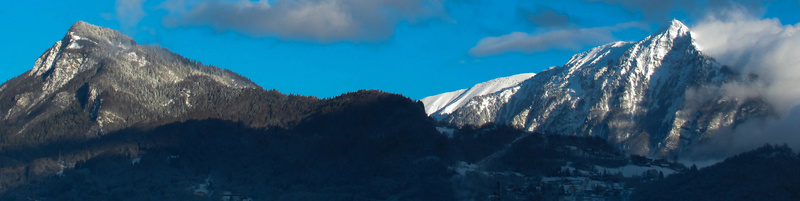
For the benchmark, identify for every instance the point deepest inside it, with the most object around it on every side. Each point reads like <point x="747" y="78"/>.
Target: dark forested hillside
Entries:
<point x="767" y="173"/>
<point x="365" y="145"/>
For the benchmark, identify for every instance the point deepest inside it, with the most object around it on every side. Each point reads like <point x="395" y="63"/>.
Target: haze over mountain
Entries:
<point x="659" y="96"/>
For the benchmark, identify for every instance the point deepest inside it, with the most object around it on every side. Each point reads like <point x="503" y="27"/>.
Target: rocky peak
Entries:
<point x="81" y="40"/>
<point x="631" y="93"/>
<point x="82" y="30"/>
<point x="674" y="29"/>
<point x="673" y="36"/>
<point x="98" y="70"/>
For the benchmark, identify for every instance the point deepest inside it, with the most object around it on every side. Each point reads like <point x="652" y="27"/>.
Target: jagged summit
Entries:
<point x="634" y="94"/>
<point x="674" y="36"/>
<point x="672" y="39"/>
<point x="674" y="28"/>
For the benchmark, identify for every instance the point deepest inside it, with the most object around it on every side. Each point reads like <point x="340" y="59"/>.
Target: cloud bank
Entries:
<point x="763" y="47"/>
<point x="314" y="20"/>
<point x="563" y="39"/>
<point x="766" y="48"/>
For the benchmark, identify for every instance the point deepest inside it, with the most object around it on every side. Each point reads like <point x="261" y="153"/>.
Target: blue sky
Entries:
<point x="327" y="47"/>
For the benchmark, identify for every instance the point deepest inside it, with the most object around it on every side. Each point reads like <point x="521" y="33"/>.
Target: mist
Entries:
<point x="770" y="51"/>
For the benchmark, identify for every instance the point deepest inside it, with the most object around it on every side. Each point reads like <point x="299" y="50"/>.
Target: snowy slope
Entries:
<point x="631" y="93"/>
<point x="445" y="103"/>
<point x="102" y="69"/>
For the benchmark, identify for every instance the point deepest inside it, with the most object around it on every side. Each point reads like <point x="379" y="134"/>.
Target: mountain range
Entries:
<point x="100" y="117"/>
<point x="657" y="97"/>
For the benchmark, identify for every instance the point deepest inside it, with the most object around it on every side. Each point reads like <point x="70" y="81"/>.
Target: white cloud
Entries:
<point x="763" y="47"/>
<point x="315" y="20"/>
<point x="564" y="39"/>
<point x="129" y="13"/>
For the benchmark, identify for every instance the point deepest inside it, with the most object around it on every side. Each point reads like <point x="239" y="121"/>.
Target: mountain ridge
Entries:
<point x="633" y="94"/>
<point x="444" y="104"/>
<point x="96" y="81"/>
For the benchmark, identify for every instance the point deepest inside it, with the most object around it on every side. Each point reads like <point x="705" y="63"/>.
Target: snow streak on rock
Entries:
<point x="92" y="64"/>
<point x="443" y="104"/>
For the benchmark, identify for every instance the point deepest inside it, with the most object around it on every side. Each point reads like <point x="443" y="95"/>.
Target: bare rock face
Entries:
<point x="652" y="97"/>
<point x="97" y="80"/>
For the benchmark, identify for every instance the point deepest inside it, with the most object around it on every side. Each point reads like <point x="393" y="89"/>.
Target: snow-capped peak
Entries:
<point x="674" y="28"/>
<point x="446" y="103"/>
<point x="673" y="32"/>
<point x="631" y="93"/>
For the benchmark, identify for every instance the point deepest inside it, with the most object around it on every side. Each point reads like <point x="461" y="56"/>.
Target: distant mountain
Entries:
<point x="652" y="97"/>
<point x="96" y="80"/>
<point x="99" y="117"/>
<point x="444" y="104"/>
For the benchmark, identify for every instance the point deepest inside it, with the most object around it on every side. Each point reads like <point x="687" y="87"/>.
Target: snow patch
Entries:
<point x="61" y="168"/>
<point x="23" y="101"/>
<point x="463" y="167"/>
<point x="446" y="131"/>
<point x="136" y="160"/>
<point x="105" y="117"/>
<point x="186" y="94"/>
<point x="134" y="58"/>
<point x="74" y="37"/>
<point x="437" y="102"/>
<point x="168" y="103"/>
<point x="446" y="103"/>
<point x="74" y="45"/>
<point x="73" y="41"/>
<point x="93" y="95"/>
